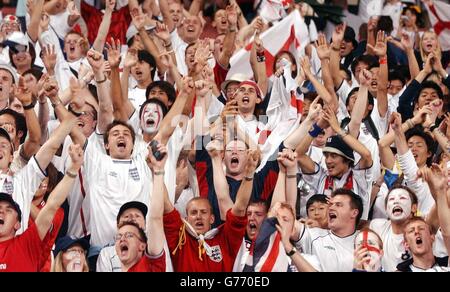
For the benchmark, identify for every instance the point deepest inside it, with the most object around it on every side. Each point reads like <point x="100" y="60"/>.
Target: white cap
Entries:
<point x="237" y="77"/>
<point x="132" y="31"/>
<point x="11" y="70"/>
<point x="18" y="38"/>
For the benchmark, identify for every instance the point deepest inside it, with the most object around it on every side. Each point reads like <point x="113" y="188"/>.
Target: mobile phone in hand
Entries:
<point x="158" y="155"/>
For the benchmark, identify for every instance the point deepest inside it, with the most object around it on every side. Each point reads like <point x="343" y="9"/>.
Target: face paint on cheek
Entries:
<point x="153" y="115"/>
<point x="374" y="264"/>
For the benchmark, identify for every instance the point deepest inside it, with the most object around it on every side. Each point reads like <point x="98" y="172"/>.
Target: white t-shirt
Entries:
<point x="108" y="260"/>
<point x="179" y="47"/>
<point x="22" y="186"/>
<point x="335" y="254"/>
<point x="110" y="184"/>
<point x="361" y="183"/>
<point x="137" y="97"/>
<point x="393" y="247"/>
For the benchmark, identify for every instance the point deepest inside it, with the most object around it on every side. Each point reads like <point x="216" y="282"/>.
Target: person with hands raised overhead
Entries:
<point x="194" y="246"/>
<point x="28" y="246"/>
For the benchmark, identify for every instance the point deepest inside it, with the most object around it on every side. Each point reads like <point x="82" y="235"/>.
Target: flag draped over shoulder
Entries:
<point x="290" y="34"/>
<point x="439" y="13"/>
<point x="267" y="253"/>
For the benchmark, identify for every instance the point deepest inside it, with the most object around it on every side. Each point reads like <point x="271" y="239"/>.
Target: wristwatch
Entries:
<point x="291" y="253"/>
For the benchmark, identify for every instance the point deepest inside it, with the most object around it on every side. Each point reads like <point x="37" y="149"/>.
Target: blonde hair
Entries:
<point x="438" y="47"/>
<point x="57" y="264"/>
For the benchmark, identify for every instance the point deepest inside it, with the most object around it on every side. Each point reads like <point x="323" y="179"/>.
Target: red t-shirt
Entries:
<point x="220" y="74"/>
<point x="225" y="245"/>
<point x="21" y="253"/>
<point x="150" y="264"/>
<point x="120" y="21"/>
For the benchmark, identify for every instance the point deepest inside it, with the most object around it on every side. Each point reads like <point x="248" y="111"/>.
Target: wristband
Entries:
<point x="71" y="174"/>
<point x="162" y="172"/>
<point x="410" y="124"/>
<point x="56" y="103"/>
<point x="315" y="131"/>
<point x="291" y="175"/>
<point x="101" y="81"/>
<point x="342" y="134"/>
<point x="291" y="253"/>
<point x="260" y="59"/>
<point x="247" y="178"/>
<point x="335" y="49"/>
<point x="30" y="106"/>
<point x="433" y="127"/>
<point x="382" y="60"/>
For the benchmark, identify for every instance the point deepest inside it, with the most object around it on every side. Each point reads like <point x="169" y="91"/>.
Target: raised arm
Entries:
<point x="380" y="50"/>
<point x="324" y="53"/>
<point x="366" y="157"/>
<point x="35" y="19"/>
<point x="155" y="229"/>
<point x="320" y="88"/>
<point x="245" y="190"/>
<point x="32" y="143"/>
<point x="196" y="7"/>
<point x="360" y="105"/>
<point x="104" y="26"/>
<point x="230" y="37"/>
<point x="123" y="108"/>
<point x="338" y="37"/>
<point x="287" y="161"/>
<point x="258" y="63"/>
<point x="221" y="188"/>
<point x="408" y="46"/>
<point x="60" y="192"/>
<point x="164" y="6"/>
<point x="169" y="124"/>
<point x="105" y="114"/>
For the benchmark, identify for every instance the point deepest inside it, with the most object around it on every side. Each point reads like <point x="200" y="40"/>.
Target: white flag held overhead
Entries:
<point x="290" y="34"/>
<point x="439" y="13"/>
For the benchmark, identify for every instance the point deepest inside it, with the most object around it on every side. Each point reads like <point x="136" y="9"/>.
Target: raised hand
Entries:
<point x="420" y="116"/>
<point x="51" y="88"/>
<point x="215" y="149"/>
<point x="380" y="47"/>
<point x="23" y="93"/>
<point x="322" y="47"/>
<point x="49" y="58"/>
<point x="162" y="32"/>
<point x="365" y="77"/>
<point x="436" y="177"/>
<point x="287" y="160"/>
<point x="138" y="18"/>
<point x="396" y="122"/>
<point x="109" y="5"/>
<point x="338" y="34"/>
<point x="436" y="108"/>
<point x="113" y="50"/>
<point x="76" y="155"/>
<point x="77" y="101"/>
<point x="96" y="60"/>
<point x="258" y="43"/>
<point x="45" y="21"/>
<point x="187" y="85"/>
<point x="306" y="65"/>
<point x="232" y="16"/>
<point x="203" y="88"/>
<point x="428" y="68"/>
<point x="407" y="42"/>
<point x="253" y="158"/>
<point x="361" y="258"/>
<point x="330" y="117"/>
<point x="131" y="58"/>
<point x="314" y="110"/>
<point x="74" y="14"/>
<point x="154" y="164"/>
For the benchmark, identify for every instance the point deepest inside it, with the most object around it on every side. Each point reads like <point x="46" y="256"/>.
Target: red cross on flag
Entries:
<point x="439" y="13"/>
<point x="290" y="34"/>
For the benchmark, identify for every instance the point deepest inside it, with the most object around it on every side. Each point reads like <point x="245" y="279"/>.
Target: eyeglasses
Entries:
<point x="127" y="235"/>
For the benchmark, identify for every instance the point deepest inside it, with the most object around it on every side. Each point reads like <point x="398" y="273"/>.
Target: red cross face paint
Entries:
<point x="151" y="118"/>
<point x="370" y="241"/>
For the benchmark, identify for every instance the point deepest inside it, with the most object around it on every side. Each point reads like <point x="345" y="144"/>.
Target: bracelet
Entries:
<point x="30" y="106"/>
<point x="315" y="131"/>
<point x="247" y="178"/>
<point x="291" y="253"/>
<point x="166" y="46"/>
<point x="410" y="124"/>
<point x="433" y="127"/>
<point x="56" y="103"/>
<point x="335" y="49"/>
<point x="342" y="134"/>
<point x="291" y="175"/>
<point x="161" y="172"/>
<point x="382" y="60"/>
<point x="376" y="184"/>
<point x="101" y="81"/>
<point x="74" y="112"/>
<point x="71" y="174"/>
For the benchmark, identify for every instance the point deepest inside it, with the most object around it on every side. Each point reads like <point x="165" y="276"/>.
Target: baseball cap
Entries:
<point x="132" y="31"/>
<point x="238" y="77"/>
<point x="4" y="197"/>
<point x="64" y="243"/>
<point x="133" y="205"/>
<point x="17" y="42"/>
<point x="4" y="66"/>
<point x="336" y="145"/>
